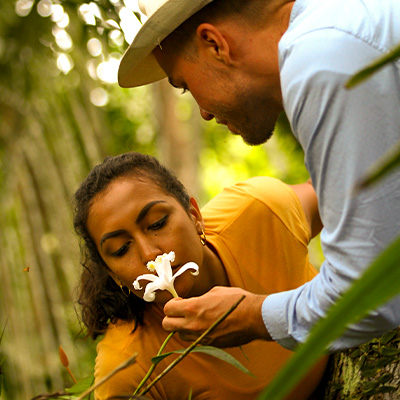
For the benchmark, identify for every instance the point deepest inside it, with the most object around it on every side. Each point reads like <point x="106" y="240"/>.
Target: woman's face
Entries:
<point x="133" y="221"/>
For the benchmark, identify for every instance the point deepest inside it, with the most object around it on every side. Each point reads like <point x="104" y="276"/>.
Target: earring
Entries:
<point x="203" y="239"/>
<point x="124" y="291"/>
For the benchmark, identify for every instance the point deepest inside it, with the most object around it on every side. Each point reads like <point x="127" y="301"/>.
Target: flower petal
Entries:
<point x="149" y="296"/>
<point x="187" y="266"/>
<point x="149" y="293"/>
<point x="136" y="285"/>
<point x="148" y="277"/>
<point x="170" y="256"/>
<point x="165" y="269"/>
<point x="165" y="279"/>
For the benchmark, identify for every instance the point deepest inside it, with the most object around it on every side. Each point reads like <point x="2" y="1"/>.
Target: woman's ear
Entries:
<point x="213" y="43"/>
<point x="114" y="277"/>
<point x="195" y="213"/>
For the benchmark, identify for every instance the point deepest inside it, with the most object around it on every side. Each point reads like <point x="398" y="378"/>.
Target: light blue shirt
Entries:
<point x="343" y="132"/>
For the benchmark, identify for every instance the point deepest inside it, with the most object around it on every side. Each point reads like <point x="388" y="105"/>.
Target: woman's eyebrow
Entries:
<point x="146" y="209"/>
<point x="110" y="235"/>
<point x="142" y="214"/>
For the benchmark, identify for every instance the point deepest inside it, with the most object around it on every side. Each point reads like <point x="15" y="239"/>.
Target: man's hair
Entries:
<point x="249" y="12"/>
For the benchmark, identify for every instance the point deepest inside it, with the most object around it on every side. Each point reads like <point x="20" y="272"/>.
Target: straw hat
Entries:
<point x="138" y="65"/>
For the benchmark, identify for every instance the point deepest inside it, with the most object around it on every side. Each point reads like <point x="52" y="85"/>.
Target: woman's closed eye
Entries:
<point x="122" y="250"/>
<point x="159" y="224"/>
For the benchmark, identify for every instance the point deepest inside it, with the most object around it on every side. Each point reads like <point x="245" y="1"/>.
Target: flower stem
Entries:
<point x="191" y="347"/>
<point x="71" y="375"/>
<point x="153" y="366"/>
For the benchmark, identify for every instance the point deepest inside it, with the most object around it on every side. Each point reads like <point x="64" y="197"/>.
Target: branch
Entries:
<point x="191" y="347"/>
<point x="120" y="367"/>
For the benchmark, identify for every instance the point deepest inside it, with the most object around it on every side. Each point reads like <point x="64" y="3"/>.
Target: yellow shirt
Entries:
<point x="260" y="232"/>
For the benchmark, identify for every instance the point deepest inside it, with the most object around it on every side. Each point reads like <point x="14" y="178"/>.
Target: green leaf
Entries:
<point x="387" y="337"/>
<point x="383" y="166"/>
<point x="384" y="361"/>
<point x="80" y="386"/>
<point x="372" y="68"/>
<point x="385" y="378"/>
<point x="390" y="351"/>
<point x="210" y="350"/>
<point x="379" y="283"/>
<point x="355" y="353"/>
<point x="387" y="389"/>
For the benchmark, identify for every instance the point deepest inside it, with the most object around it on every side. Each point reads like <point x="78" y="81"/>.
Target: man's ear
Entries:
<point x="213" y="43"/>
<point x="195" y="213"/>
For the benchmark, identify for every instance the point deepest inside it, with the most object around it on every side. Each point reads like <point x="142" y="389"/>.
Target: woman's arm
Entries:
<point x="308" y="199"/>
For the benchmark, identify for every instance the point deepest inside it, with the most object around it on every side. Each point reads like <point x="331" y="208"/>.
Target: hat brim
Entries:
<point x="138" y="65"/>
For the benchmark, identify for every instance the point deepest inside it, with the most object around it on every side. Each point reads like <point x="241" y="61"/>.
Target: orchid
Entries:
<point x="165" y="279"/>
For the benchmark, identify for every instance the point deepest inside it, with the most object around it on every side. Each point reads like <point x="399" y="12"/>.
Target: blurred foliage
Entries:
<point x="61" y="112"/>
<point x="371" y="69"/>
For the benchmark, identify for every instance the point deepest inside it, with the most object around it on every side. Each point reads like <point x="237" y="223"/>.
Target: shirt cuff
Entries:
<point x="274" y="317"/>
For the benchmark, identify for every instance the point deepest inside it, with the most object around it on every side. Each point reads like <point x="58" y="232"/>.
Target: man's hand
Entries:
<point x="191" y="317"/>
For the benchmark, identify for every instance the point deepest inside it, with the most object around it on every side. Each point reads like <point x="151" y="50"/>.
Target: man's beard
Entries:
<point x="256" y="140"/>
<point x="255" y="132"/>
<point x="258" y="124"/>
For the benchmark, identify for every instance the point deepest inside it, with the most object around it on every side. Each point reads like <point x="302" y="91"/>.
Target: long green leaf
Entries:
<point x="210" y="350"/>
<point x="372" y="68"/>
<point x="80" y="386"/>
<point x="386" y="164"/>
<point x="379" y="283"/>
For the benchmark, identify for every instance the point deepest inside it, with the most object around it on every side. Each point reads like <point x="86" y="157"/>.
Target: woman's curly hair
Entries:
<point x="100" y="298"/>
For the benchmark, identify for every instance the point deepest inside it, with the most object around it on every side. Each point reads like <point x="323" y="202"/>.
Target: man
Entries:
<point x="245" y="62"/>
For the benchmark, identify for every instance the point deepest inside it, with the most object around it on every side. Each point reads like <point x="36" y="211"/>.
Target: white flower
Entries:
<point x="165" y="279"/>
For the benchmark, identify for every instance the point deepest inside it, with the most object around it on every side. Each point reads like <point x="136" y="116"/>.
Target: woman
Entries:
<point x="254" y="235"/>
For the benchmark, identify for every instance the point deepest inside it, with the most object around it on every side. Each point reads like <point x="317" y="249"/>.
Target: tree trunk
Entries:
<point x="179" y="134"/>
<point x="370" y="371"/>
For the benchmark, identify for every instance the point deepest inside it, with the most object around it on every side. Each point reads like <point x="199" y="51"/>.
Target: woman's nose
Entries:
<point x="148" y="250"/>
<point x="206" y="115"/>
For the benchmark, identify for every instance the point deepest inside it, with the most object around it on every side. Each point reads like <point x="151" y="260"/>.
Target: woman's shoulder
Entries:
<point x="264" y="188"/>
<point x="119" y="343"/>
<point x="117" y="335"/>
<point x="256" y="199"/>
<point x="270" y="192"/>
<point x="121" y="334"/>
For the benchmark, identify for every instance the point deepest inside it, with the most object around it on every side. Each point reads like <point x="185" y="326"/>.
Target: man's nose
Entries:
<point x="206" y="115"/>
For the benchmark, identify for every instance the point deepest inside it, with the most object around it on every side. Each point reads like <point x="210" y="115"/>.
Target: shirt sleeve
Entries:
<point x="124" y="382"/>
<point x="116" y="347"/>
<point x="343" y="132"/>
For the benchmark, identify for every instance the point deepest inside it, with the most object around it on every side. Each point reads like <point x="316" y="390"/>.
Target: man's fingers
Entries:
<point x="174" y="307"/>
<point x="170" y="324"/>
<point x="191" y="317"/>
